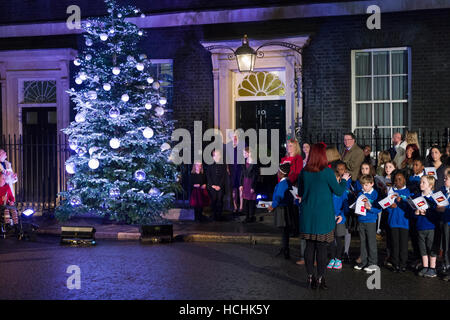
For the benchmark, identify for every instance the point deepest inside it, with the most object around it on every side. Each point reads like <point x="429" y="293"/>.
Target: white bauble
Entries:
<point x="106" y="87"/>
<point x="116" y="70"/>
<point x="165" y="146"/>
<point x="119" y="15"/>
<point x="155" y="85"/>
<point x="77" y="62"/>
<point x="148" y="132"/>
<point x="140" y="66"/>
<point x="114" y="112"/>
<point x="70" y="168"/>
<point x="75" y="201"/>
<point x="111" y="30"/>
<point x="89" y="42"/>
<point x="142" y="56"/>
<point x="154" y="192"/>
<point x="103" y="36"/>
<point x="82" y="75"/>
<point x="125" y="97"/>
<point x="78" y="80"/>
<point x="114" y="143"/>
<point x="139" y="175"/>
<point x="159" y="111"/>
<point x="150" y="80"/>
<point x="148" y="105"/>
<point x="142" y="15"/>
<point x="162" y="100"/>
<point x="88" y="57"/>
<point x="73" y="144"/>
<point x="140" y="33"/>
<point x="93" y="164"/>
<point x="80" y="117"/>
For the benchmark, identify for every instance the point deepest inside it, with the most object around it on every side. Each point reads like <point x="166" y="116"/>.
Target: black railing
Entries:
<point x="39" y="162"/>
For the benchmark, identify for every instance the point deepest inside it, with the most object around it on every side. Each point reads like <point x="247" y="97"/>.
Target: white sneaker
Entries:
<point x="371" y="268"/>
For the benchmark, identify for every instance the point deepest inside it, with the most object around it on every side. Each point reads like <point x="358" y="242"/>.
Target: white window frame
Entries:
<point x="391" y="101"/>
<point x="27" y="105"/>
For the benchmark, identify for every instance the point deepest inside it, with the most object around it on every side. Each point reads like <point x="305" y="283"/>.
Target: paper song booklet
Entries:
<point x="419" y="203"/>
<point x="440" y="199"/>
<point x="264" y="204"/>
<point x="431" y="171"/>
<point x="359" y="207"/>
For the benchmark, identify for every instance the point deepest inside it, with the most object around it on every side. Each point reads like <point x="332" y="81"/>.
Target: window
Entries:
<point x="261" y="84"/>
<point x="163" y="71"/>
<point x="39" y="92"/>
<point x="380" y="91"/>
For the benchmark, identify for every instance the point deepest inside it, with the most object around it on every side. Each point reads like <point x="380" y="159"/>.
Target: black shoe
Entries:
<point x="321" y="283"/>
<point x="314" y="284"/>
<point x="396" y="269"/>
<point x="253" y="219"/>
<point x="403" y="269"/>
<point x="346" y="258"/>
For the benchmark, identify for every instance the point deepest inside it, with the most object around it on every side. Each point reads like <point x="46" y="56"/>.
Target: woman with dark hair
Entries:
<point x="316" y="185"/>
<point x="412" y="153"/>
<point x="435" y="160"/>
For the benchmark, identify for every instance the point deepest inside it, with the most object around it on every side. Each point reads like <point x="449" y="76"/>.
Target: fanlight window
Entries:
<point x="261" y="84"/>
<point x="39" y="91"/>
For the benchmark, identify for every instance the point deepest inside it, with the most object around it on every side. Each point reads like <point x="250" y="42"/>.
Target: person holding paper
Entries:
<point x="316" y="185"/>
<point x="337" y="247"/>
<point x="247" y="185"/>
<point x="282" y="206"/>
<point x="435" y="160"/>
<point x="426" y="222"/>
<point x="445" y="211"/>
<point x="367" y="226"/>
<point x="399" y="215"/>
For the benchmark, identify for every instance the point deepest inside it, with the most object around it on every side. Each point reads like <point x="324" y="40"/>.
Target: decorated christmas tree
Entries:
<point x="120" y="164"/>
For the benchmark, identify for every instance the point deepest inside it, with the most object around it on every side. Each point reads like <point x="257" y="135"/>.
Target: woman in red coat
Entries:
<point x="295" y="159"/>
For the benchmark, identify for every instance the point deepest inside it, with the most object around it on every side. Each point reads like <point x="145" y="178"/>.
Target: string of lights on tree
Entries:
<point x="120" y="137"/>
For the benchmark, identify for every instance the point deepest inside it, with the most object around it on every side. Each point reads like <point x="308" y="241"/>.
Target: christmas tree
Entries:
<point x="120" y="138"/>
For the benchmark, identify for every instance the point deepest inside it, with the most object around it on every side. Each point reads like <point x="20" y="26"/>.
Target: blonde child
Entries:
<point x="426" y="221"/>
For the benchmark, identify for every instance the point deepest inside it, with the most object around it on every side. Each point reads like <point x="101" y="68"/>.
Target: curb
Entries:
<point x="201" y="237"/>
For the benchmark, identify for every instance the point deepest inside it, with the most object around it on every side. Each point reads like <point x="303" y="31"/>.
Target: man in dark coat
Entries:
<point x="216" y="177"/>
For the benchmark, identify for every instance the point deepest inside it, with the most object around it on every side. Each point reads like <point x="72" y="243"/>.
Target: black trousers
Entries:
<point x="399" y="244"/>
<point x="249" y="207"/>
<point x="337" y="248"/>
<point x="319" y="250"/>
<point x="216" y="203"/>
<point x="198" y="211"/>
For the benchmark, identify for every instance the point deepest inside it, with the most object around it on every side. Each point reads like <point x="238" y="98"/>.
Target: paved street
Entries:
<point x="129" y="270"/>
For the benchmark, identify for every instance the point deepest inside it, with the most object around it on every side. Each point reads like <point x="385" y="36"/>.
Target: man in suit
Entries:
<point x="353" y="156"/>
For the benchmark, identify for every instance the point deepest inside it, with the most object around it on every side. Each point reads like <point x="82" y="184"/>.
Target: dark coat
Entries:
<point x="250" y="172"/>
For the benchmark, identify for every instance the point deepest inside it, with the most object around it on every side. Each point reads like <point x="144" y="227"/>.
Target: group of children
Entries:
<point x="428" y="229"/>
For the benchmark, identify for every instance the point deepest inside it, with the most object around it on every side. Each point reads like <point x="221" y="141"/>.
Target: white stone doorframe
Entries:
<point x="40" y="64"/>
<point x="275" y="58"/>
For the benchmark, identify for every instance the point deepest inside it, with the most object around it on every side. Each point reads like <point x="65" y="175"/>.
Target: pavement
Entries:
<point x="230" y="230"/>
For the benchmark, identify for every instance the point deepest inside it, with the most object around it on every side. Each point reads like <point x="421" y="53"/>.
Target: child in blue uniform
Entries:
<point x="340" y="230"/>
<point x="426" y="221"/>
<point x="367" y="227"/>
<point x="445" y="211"/>
<point x="399" y="214"/>
<point x="414" y="180"/>
<point x="282" y="205"/>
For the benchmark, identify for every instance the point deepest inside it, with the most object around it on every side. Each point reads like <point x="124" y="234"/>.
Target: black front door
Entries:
<point x="39" y="182"/>
<point x="269" y="114"/>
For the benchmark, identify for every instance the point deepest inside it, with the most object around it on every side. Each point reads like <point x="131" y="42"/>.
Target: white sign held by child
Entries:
<point x="419" y="203"/>
<point x="388" y="201"/>
<point x="360" y="205"/>
<point x="440" y="199"/>
<point x="431" y="171"/>
<point x="264" y="204"/>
